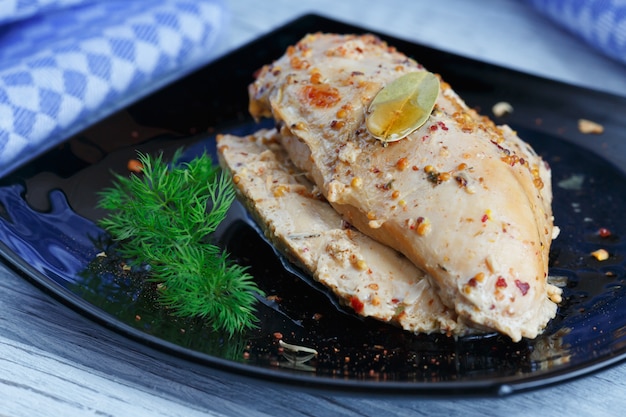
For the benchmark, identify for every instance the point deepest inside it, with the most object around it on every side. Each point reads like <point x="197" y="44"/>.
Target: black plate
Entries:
<point x="47" y="231"/>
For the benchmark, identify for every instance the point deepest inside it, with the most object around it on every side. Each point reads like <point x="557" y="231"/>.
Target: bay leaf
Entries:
<point x="402" y="106"/>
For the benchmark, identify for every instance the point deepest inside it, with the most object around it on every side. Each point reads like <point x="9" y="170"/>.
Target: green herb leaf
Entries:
<point x="164" y="217"/>
<point x="402" y="106"/>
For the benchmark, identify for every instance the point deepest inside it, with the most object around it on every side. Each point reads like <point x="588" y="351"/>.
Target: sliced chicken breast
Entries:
<point x="372" y="279"/>
<point x="466" y="201"/>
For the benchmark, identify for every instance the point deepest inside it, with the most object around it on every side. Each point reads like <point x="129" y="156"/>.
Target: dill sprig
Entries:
<point x="164" y="218"/>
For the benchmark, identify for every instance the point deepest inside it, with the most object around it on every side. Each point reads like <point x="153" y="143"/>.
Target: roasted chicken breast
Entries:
<point x="466" y="201"/>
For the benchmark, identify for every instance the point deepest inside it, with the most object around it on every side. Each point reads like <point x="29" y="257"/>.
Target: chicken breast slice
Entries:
<point x="466" y="201"/>
<point x="374" y="280"/>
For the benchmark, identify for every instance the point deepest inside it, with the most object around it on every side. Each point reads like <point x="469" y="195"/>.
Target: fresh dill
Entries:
<point x="164" y="218"/>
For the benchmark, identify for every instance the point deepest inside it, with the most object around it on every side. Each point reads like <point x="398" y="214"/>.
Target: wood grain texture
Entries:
<point x="55" y="362"/>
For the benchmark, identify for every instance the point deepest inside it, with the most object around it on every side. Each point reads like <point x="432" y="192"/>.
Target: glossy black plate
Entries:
<point x="48" y="233"/>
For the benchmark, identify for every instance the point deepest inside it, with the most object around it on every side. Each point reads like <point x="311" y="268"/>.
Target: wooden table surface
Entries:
<point x="56" y="362"/>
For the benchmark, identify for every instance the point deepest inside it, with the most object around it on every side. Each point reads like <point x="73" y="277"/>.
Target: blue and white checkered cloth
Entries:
<point x="67" y="63"/>
<point x="601" y="23"/>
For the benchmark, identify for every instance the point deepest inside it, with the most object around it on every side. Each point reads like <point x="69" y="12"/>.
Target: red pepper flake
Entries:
<point x="356" y="304"/>
<point x="472" y="282"/>
<point x="134" y="165"/>
<point x="442" y="125"/>
<point x="604" y="232"/>
<point x="523" y="286"/>
<point x="484" y="218"/>
<point x="321" y="95"/>
<point x="501" y="283"/>
<point x="433" y="128"/>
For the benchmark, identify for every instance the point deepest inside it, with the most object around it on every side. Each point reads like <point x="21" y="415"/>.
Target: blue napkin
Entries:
<point x="601" y="23"/>
<point x="67" y="63"/>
